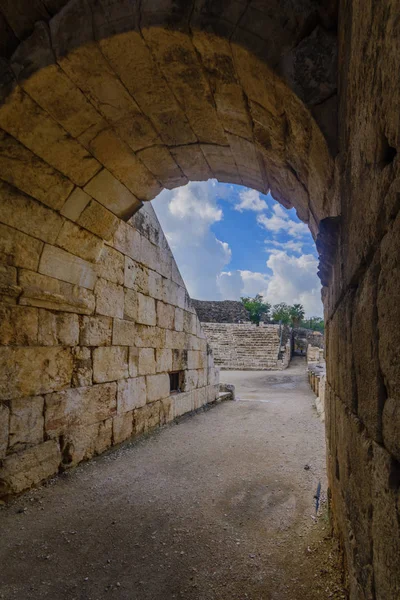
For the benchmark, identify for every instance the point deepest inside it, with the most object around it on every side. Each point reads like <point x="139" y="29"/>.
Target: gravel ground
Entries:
<point x="219" y="506"/>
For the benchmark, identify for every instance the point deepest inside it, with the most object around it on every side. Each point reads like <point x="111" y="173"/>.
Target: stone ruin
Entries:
<point x="303" y="338"/>
<point x="238" y="344"/>
<point x="102" y="105"/>
<point x="316" y="370"/>
<point x="247" y="347"/>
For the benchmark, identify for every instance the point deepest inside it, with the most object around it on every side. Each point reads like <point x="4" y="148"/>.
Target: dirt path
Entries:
<point x="218" y="507"/>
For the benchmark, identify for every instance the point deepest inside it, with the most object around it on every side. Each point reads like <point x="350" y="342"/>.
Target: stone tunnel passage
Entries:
<point x="105" y="102"/>
<point x="219" y="506"/>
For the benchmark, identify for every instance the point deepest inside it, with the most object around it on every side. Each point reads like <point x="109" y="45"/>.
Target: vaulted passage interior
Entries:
<point x="104" y="103"/>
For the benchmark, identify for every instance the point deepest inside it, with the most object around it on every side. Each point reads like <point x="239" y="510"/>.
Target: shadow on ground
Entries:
<point x="217" y="507"/>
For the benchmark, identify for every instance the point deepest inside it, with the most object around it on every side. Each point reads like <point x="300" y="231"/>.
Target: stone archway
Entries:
<point x="168" y="104"/>
<point x="105" y="103"/>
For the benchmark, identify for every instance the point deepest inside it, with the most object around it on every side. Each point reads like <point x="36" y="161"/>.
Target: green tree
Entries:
<point x="296" y="314"/>
<point x="281" y="312"/>
<point x="314" y="323"/>
<point x="256" y="307"/>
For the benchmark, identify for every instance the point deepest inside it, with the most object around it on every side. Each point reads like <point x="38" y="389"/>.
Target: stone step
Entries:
<point x="244" y="346"/>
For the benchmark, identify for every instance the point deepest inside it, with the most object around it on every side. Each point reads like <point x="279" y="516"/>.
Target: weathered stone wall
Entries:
<point x="89" y="332"/>
<point x="302" y="337"/>
<point x="362" y="312"/>
<point x="317" y="379"/>
<point x="315" y="354"/>
<point x="221" y="311"/>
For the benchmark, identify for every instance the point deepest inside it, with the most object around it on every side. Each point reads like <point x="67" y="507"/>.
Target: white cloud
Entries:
<point x="294" y="280"/>
<point x="280" y="211"/>
<point x="230" y="285"/>
<point x="290" y="245"/>
<point x="234" y="284"/>
<point x="254" y="282"/>
<point x="281" y="221"/>
<point x="186" y="215"/>
<point x="193" y="205"/>
<point x="250" y="200"/>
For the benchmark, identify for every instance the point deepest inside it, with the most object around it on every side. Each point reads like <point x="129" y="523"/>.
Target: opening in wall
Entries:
<point x="175" y="382"/>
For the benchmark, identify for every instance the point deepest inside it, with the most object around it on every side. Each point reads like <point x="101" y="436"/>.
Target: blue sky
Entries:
<point x="230" y="241"/>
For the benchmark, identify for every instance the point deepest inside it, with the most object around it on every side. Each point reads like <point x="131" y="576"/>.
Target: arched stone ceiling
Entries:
<point x="124" y="98"/>
<point x="296" y="38"/>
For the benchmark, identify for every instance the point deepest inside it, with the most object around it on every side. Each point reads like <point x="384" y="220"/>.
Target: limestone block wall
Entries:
<point x="285" y="354"/>
<point x="246" y="346"/>
<point x="362" y="311"/>
<point x="317" y="380"/>
<point x="315" y="354"/>
<point x="93" y="316"/>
